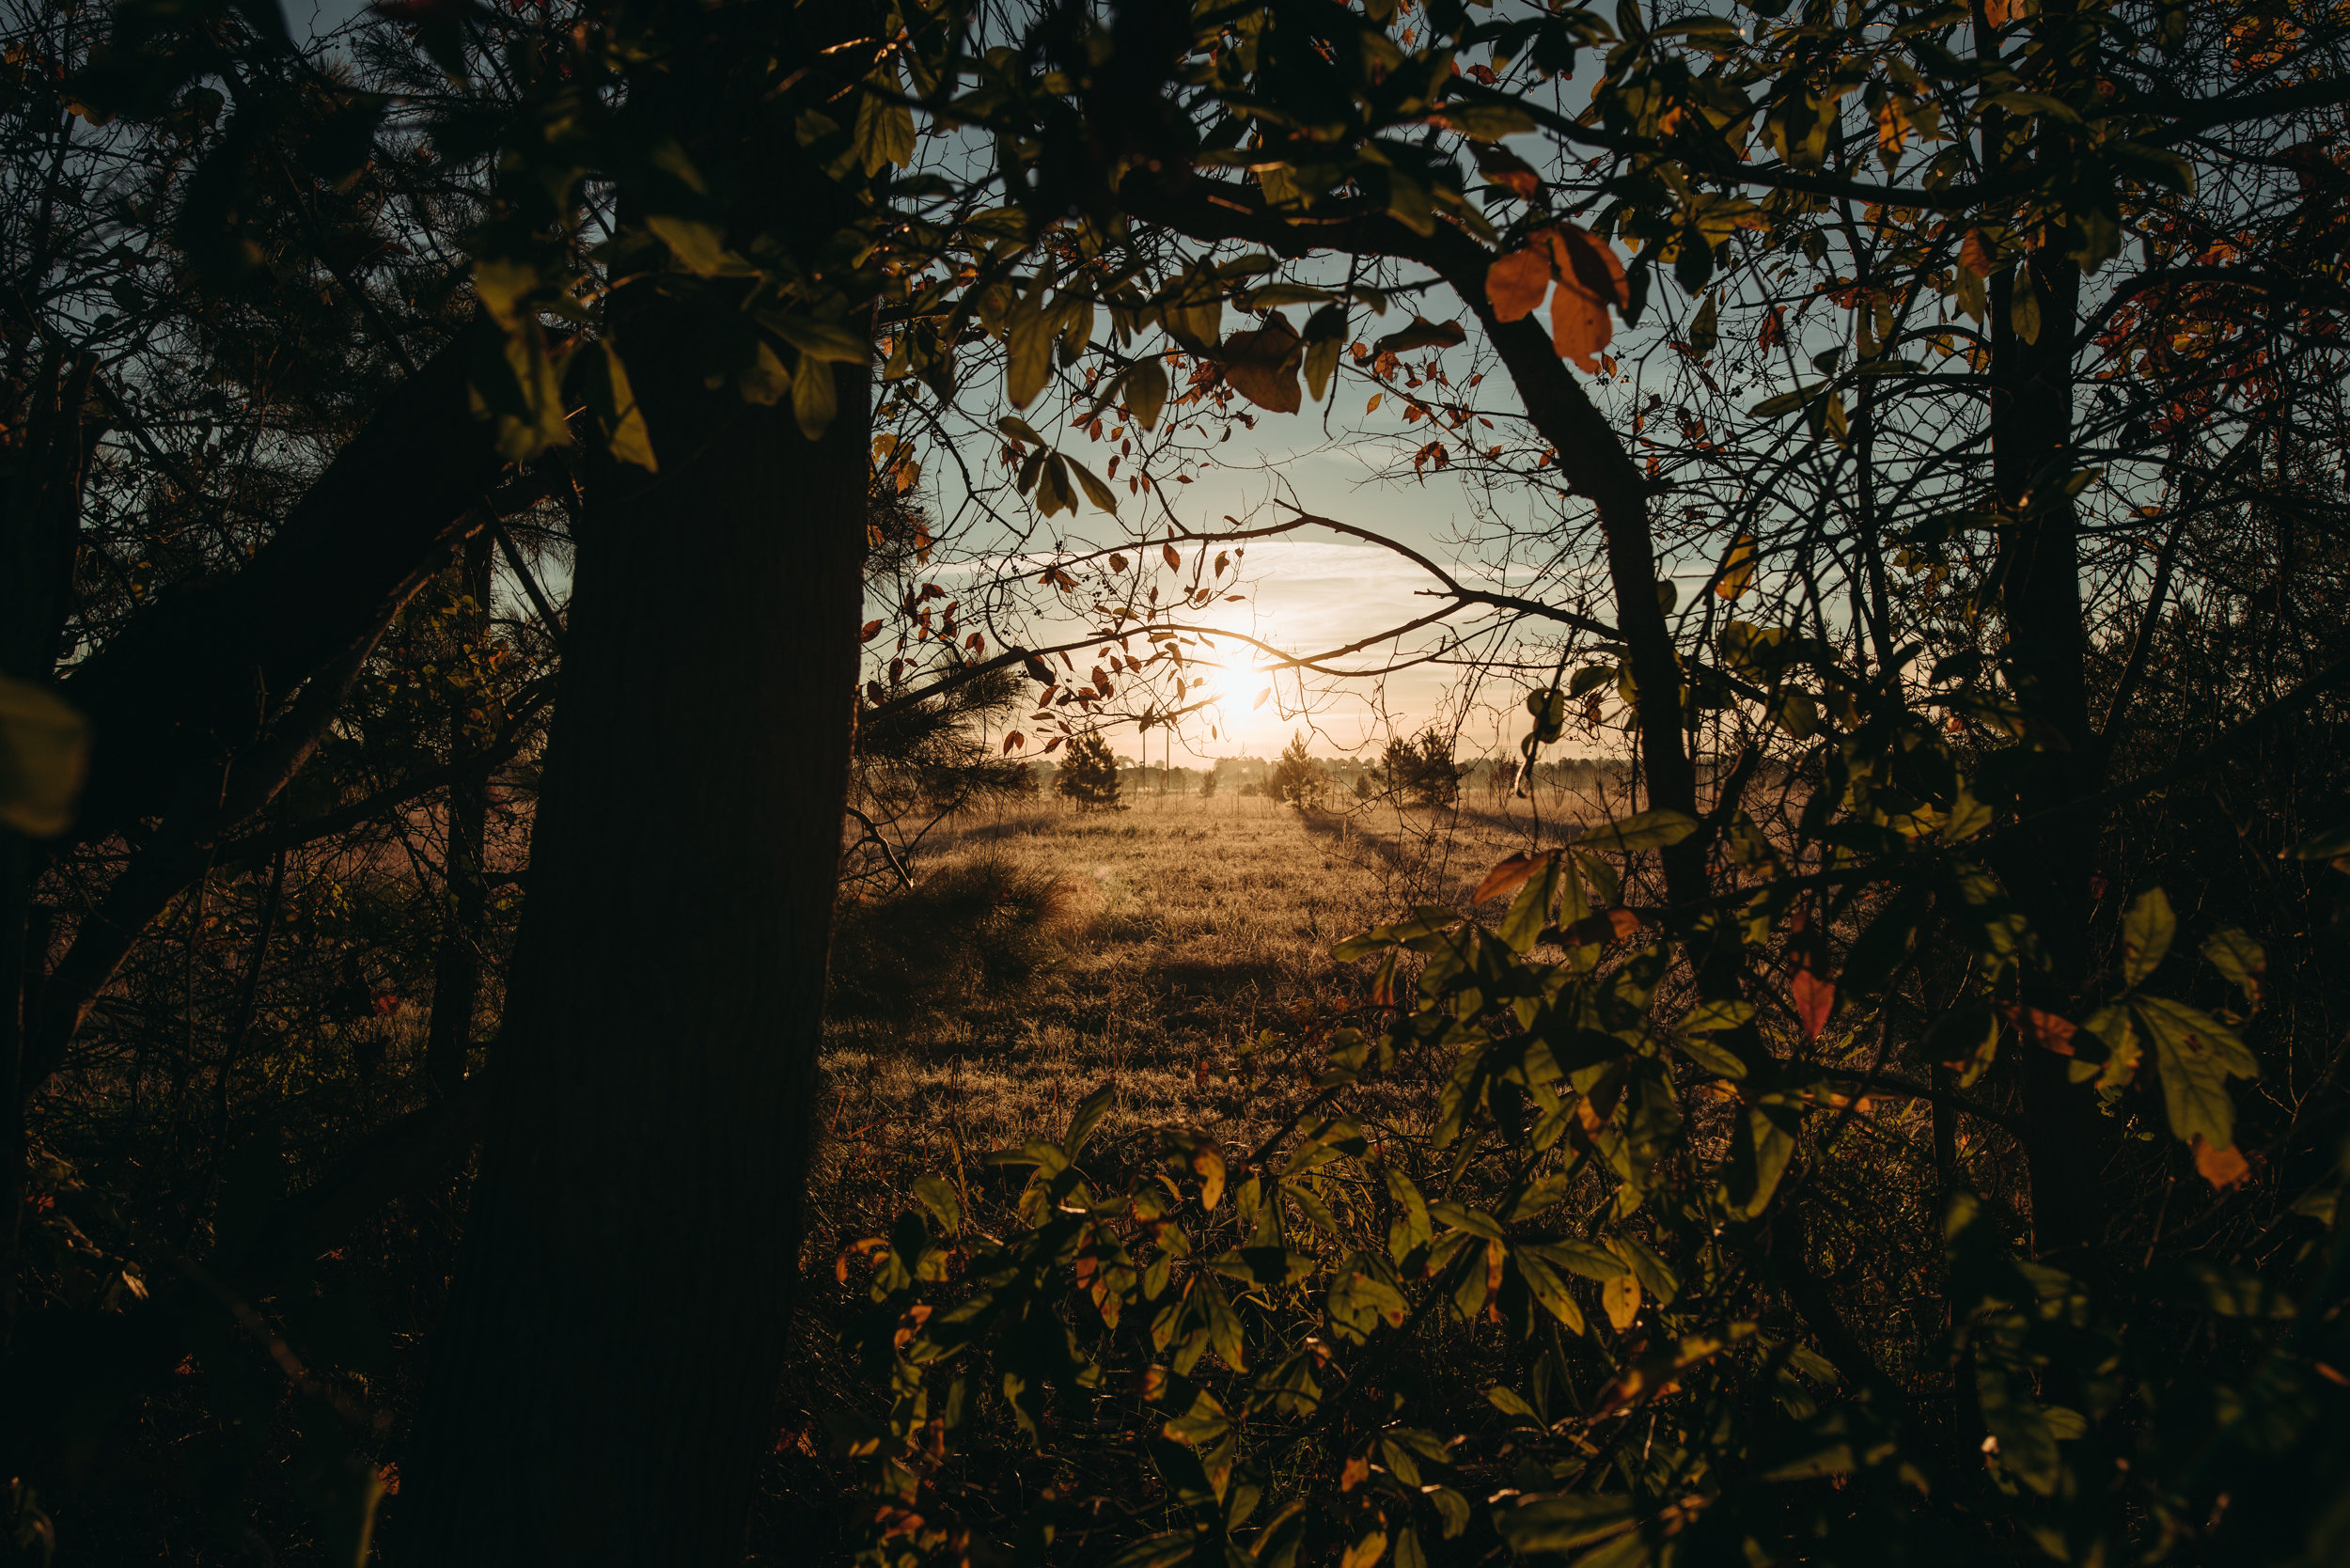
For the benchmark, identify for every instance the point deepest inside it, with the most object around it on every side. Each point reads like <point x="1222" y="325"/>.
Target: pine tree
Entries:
<point x="1089" y="777"/>
<point x="1298" y="778"/>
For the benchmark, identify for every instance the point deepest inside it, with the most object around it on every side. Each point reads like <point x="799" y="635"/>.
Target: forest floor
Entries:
<point x="1182" y="929"/>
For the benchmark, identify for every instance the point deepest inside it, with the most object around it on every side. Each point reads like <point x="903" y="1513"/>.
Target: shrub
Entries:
<point x="1424" y="768"/>
<point x="980" y="925"/>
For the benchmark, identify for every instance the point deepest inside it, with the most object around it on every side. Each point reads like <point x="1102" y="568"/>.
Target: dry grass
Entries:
<point x="1184" y="928"/>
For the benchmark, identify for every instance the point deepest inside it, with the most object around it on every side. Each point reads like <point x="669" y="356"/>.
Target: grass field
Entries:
<point x="1178" y="929"/>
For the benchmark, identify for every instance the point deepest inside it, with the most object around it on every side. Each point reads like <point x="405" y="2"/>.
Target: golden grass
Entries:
<point x="1187" y="927"/>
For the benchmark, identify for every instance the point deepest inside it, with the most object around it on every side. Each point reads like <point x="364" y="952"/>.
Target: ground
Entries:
<point x="1182" y="928"/>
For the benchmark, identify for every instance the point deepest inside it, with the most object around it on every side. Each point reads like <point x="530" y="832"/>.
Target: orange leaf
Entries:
<point x="1815" y="998"/>
<point x="1357" y="1471"/>
<point x="1975" y="255"/>
<point x="1511" y="874"/>
<point x="2222" y="1168"/>
<point x="2044" y="1029"/>
<point x="872" y="630"/>
<point x="1261" y="366"/>
<point x="1507" y="170"/>
<point x="1174" y="561"/>
<point x="1013" y="741"/>
<point x="1516" y="283"/>
<point x="1589" y="280"/>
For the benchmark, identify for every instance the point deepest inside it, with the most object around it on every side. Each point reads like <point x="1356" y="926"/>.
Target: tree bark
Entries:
<point x="2048" y="871"/>
<point x="602" y="1384"/>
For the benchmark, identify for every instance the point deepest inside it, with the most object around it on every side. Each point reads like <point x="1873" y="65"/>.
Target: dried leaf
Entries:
<point x="1511" y="874"/>
<point x="1262" y="366"/>
<point x="1516" y="283"/>
<point x="1589" y="280"/>
<point x="1814" y="998"/>
<point x="2222" y="1168"/>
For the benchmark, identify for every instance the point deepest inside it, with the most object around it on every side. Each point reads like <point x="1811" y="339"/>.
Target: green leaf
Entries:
<point x="1088" y="1116"/>
<point x="939" y="1197"/>
<point x="884" y="127"/>
<point x="1146" y="392"/>
<point x="1028" y="357"/>
<point x="2147" y="931"/>
<point x="697" y="245"/>
<point x="814" y="400"/>
<point x="1410" y="1228"/>
<point x="1510" y="1403"/>
<point x="2241" y="959"/>
<point x="1564" y="1522"/>
<point x="1547" y="1287"/>
<point x="614" y="402"/>
<point x="1096" y="492"/>
<point x="1781" y="406"/>
<point x="44" y="752"/>
<point x="2197" y="1056"/>
<point x="1648" y="830"/>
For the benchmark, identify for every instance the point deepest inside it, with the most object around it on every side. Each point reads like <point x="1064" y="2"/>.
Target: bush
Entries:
<point x="982" y="925"/>
<point x="1207" y="783"/>
<point x="1089" y="777"/>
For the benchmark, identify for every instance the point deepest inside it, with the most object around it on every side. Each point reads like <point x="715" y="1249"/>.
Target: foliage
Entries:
<point x="1611" y="1217"/>
<point x="969" y="929"/>
<point x="1089" y="775"/>
<point x="1422" y="768"/>
<point x="1298" y="779"/>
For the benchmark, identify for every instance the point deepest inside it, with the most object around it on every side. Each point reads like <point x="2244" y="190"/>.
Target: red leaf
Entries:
<point x="2044" y="1029"/>
<point x="1815" y="998"/>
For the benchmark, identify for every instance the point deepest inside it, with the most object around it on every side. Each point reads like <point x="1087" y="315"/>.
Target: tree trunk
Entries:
<point x="602" y="1383"/>
<point x="456" y="969"/>
<point x="2048" y="872"/>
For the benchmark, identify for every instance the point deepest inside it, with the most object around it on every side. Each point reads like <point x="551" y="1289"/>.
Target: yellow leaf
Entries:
<point x="44" y="751"/>
<point x="1370" y="1549"/>
<point x="1620" y="1296"/>
<point x="1738" y="571"/>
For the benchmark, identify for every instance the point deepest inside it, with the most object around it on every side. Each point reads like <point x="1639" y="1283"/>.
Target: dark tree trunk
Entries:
<point x="602" y="1383"/>
<point x="2048" y="872"/>
<point x="457" y="967"/>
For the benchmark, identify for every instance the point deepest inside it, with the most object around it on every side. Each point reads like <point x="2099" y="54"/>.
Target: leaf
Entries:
<point x="1088" y="1116"/>
<point x="1421" y="334"/>
<point x="2241" y="959"/>
<point x="1512" y="173"/>
<point x="2024" y="312"/>
<point x="1146" y="392"/>
<point x="1262" y="366"/>
<point x="1366" y="1552"/>
<point x="1028" y="352"/>
<point x="1591" y="280"/>
<point x="2147" y="931"/>
<point x="1510" y="1403"/>
<point x="1706" y="331"/>
<point x="698" y="246"/>
<point x="1737" y="568"/>
<point x="2332" y="844"/>
<point x="44" y="753"/>
<point x="2196" y="1055"/>
<point x="614" y="404"/>
<point x="814" y="400"/>
<point x="1564" y="1522"/>
<point x="1096" y="492"/>
<point x="1654" y="829"/>
<point x="1781" y="406"/>
<point x="1173" y="558"/>
<point x="1161" y="1551"/>
<point x="2222" y="1168"/>
<point x="939" y="1197"/>
<point x="1207" y="1164"/>
<point x="1620" y="1298"/>
<point x="1511" y="874"/>
<point x="1516" y="283"/>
